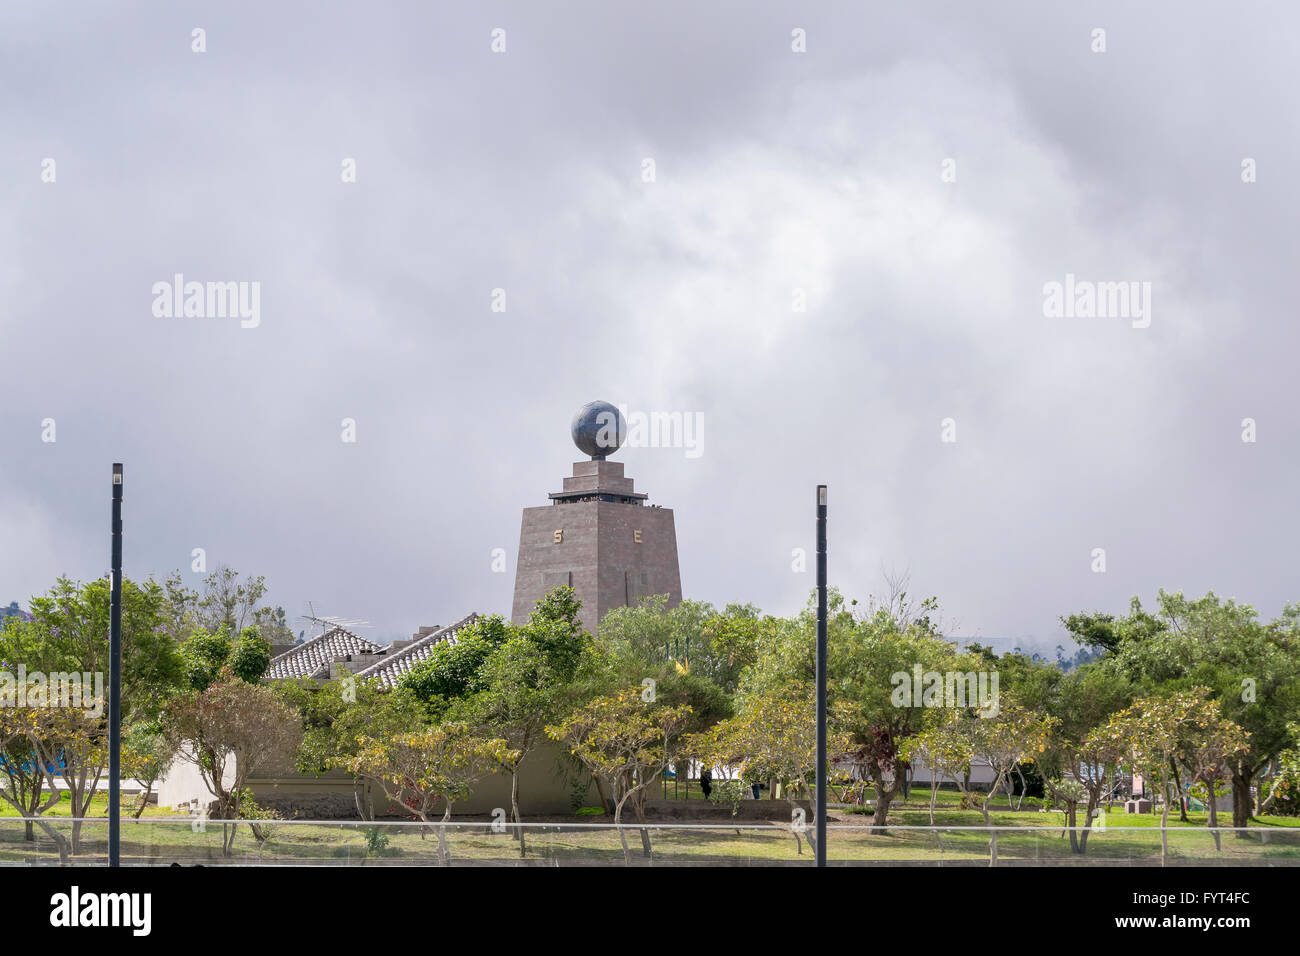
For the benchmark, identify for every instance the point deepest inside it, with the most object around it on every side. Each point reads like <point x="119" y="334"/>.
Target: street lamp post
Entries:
<point x="821" y="675"/>
<point x="115" y="682"/>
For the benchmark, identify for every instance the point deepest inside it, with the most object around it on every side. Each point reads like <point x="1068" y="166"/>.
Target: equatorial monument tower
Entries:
<point x="598" y="535"/>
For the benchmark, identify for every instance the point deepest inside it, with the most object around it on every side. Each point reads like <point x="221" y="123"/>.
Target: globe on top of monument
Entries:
<point x="598" y="429"/>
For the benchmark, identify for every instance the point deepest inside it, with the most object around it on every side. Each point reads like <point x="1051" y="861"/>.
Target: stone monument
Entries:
<point x="598" y="535"/>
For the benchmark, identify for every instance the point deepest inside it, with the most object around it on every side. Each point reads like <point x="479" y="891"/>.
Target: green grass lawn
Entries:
<point x="98" y="808"/>
<point x="915" y="811"/>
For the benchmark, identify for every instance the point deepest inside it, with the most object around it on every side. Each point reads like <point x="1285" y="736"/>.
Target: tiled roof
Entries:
<point x="312" y="658"/>
<point x="391" y="668"/>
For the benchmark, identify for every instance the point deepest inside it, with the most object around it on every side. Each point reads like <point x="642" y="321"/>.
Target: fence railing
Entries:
<point x="155" y="841"/>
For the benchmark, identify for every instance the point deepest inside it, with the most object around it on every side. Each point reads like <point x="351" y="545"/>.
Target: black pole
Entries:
<point x="115" y="682"/>
<point x="821" y="675"/>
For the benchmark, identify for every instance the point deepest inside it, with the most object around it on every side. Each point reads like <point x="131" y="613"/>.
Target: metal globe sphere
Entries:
<point x="598" y="429"/>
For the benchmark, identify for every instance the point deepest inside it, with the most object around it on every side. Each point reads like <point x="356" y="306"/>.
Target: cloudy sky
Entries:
<point x="776" y="174"/>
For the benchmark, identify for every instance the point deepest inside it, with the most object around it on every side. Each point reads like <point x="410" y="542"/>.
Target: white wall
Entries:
<point x="183" y="783"/>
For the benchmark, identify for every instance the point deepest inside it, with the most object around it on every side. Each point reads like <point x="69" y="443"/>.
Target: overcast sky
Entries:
<point x="774" y="171"/>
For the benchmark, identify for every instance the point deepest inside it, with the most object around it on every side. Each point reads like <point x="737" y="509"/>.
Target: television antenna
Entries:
<point x="327" y="621"/>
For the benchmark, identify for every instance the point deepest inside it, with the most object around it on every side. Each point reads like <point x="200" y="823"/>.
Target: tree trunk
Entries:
<point x="76" y="826"/>
<point x="884" y="797"/>
<point x="82" y="790"/>
<point x="226" y="810"/>
<point x="1087" y="821"/>
<point x="1164" y="824"/>
<point x="1178" y="788"/>
<point x="1242" y="804"/>
<point x="993" y="834"/>
<point x="60" y="841"/>
<point x="605" y="800"/>
<point x="365" y="806"/>
<point x="144" y="800"/>
<point x="35" y="808"/>
<point x="444" y="851"/>
<point x="638" y="807"/>
<point x="514" y="812"/>
<point x="1214" y="816"/>
<point x="622" y="836"/>
<point x="1071" y="820"/>
<point x="880" y="814"/>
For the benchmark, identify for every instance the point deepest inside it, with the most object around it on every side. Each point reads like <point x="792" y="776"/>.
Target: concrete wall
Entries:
<point x="543" y="790"/>
<point x="183" y="785"/>
<point x="980" y="773"/>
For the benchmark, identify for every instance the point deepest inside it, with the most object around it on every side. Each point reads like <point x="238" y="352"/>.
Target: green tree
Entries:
<point x="733" y="638"/>
<point x="226" y="600"/>
<point x="528" y="682"/>
<point x="517" y="703"/>
<point x="454" y="670"/>
<point x="69" y="633"/>
<point x="1284" y="788"/>
<point x="147" y="757"/>
<point x="1150" y="731"/>
<point x="946" y="746"/>
<point x="250" y="655"/>
<point x="1250" y="667"/>
<point x="627" y="742"/>
<point x="1012" y="737"/>
<point x="1080" y="764"/>
<point x="232" y="725"/>
<point x="652" y="634"/>
<point x="773" y="736"/>
<point x="871" y="663"/>
<point x="60" y="741"/>
<point x="439" y="764"/>
<point x="553" y="626"/>
<point x="205" y="655"/>
<point x="66" y="640"/>
<point x="1210" y="746"/>
<point x="24" y="783"/>
<point x="336" y="714"/>
<point x="1106" y="632"/>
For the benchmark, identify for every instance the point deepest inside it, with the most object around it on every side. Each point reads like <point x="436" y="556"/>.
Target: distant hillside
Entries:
<point x="1067" y="655"/>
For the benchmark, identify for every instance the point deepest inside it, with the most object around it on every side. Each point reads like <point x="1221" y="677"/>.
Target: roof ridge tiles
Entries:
<point x="299" y="661"/>
<point x="381" y="669"/>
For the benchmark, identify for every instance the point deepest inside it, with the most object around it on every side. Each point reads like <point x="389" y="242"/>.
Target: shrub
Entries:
<point x="376" y="841"/>
<point x="728" y="793"/>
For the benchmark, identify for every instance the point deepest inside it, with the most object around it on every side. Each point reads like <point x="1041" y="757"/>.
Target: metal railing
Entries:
<point x="160" y="841"/>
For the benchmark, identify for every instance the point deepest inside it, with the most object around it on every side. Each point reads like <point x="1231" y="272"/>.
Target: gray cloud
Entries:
<point x="774" y="171"/>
